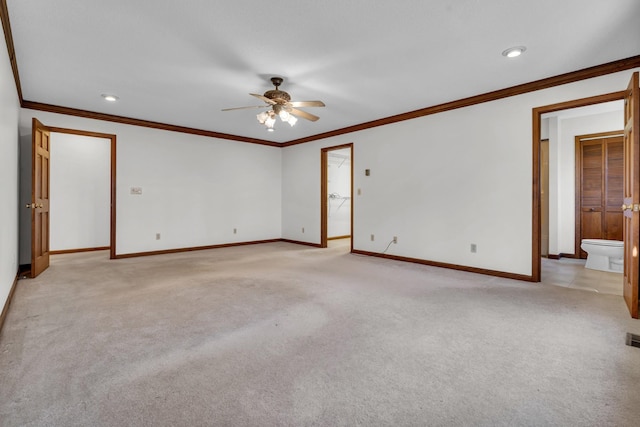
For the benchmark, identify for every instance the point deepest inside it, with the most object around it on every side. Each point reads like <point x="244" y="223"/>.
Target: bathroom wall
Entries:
<point x="562" y="135"/>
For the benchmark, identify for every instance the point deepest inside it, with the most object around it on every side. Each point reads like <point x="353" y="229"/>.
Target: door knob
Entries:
<point x="30" y="205"/>
<point x="40" y="205"/>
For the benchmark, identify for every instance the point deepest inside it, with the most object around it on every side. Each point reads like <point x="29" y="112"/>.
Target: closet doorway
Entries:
<point x="599" y="187"/>
<point x="336" y="194"/>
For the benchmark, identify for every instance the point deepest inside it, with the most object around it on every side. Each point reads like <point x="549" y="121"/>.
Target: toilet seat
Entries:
<point x="601" y="242"/>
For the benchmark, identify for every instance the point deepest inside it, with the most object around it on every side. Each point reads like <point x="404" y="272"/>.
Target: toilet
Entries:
<point x="604" y="255"/>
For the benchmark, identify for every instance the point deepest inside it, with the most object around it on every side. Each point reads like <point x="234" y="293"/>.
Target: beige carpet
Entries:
<point x="280" y="334"/>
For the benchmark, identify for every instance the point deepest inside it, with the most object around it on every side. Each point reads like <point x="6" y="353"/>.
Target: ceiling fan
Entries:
<point x="280" y="105"/>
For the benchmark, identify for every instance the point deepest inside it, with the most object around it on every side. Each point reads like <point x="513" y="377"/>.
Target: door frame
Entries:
<point x="536" y="263"/>
<point x="578" y="187"/>
<point x="324" y="192"/>
<point x="112" y="192"/>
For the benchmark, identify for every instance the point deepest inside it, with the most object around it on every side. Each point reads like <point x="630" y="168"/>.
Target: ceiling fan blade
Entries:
<point x="264" y="98"/>
<point x="244" y="108"/>
<point x="303" y="114"/>
<point x="306" y="104"/>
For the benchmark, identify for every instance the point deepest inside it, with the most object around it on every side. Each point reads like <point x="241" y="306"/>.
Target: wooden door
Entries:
<point x="599" y="172"/>
<point x="631" y="201"/>
<point x="40" y="142"/>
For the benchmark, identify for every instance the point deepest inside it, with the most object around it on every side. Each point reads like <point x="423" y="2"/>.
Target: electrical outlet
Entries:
<point x="395" y="239"/>
<point x="373" y="237"/>
<point x="303" y="230"/>
<point x="474" y="248"/>
<point x="157" y="236"/>
<point x="235" y="231"/>
<point x="359" y="192"/>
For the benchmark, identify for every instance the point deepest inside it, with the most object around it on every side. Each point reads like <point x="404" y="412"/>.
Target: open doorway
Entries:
<point x="631" y="187"/>
<point x="336" y="193"/>
<point x="574" y="180"/>
<point x="50" y="184"/>
<point x="563" y="175"/>
<point x="80" y="188"/>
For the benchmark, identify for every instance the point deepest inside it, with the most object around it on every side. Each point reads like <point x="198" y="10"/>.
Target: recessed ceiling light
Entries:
<point x="110" y="98"/>
<point x="512" y="52"/>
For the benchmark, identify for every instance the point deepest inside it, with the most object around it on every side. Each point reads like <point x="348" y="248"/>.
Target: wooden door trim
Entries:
<point x="578" y="179"/>
<point x="324" y="192"/>
<point x="536" y="264"/>
<point x="112" y="214"/>
<point x="549" y="255"/>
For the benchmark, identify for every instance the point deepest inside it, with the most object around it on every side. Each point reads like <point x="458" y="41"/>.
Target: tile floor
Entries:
<point x="570" y="273"/>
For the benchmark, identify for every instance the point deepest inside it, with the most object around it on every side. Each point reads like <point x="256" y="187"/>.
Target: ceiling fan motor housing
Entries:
<point x="277" y="95"/>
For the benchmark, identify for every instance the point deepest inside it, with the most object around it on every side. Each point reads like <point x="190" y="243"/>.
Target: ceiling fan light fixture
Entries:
<point x="262" y="117"/>
<point x="270" y="122"/>
<point x="280" y="105"/>
<point x="284" y="115"/>
<point x="514" y="52"/>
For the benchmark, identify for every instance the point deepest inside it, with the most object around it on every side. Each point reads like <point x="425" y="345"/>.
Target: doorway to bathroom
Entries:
<point x="336" y="191"/>
<point x="561" y="227"/>
<point x="573" y="176"/>
<point x="580" y="192"/>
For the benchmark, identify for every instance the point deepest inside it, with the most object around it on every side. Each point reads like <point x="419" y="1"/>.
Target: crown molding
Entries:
<point x="8" y="37"/>
<point x="143" y="123"/>
<point x="574" y="76"/>
<point x="571" y="77"/>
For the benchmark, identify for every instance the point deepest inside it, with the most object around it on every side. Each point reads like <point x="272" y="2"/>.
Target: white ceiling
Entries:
<point x="181" y="62"/>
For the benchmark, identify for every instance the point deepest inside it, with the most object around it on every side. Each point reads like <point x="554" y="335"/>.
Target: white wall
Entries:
<point x="80" y="178"/>
<point x="195" y="189"/>
<point x="439" y="182"/>
<point x="339" y="186"/>
<point x="9" y="109"/>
